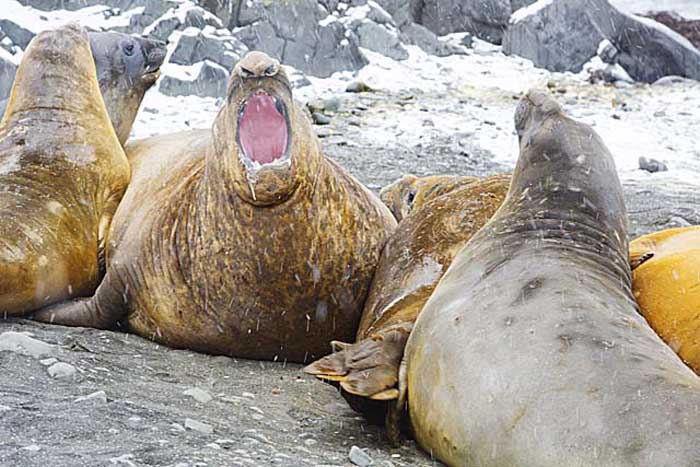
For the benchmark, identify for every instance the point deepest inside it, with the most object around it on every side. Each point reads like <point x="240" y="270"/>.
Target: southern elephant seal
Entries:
<point x="666" y="285"/>
<point x="127" y="67"/>
<point x="531" y="350"/>
<point x="413" y="261"/>
<point x="62" y="174"/>
<point x="410" y="192"/>
<point x="243" y="240"/>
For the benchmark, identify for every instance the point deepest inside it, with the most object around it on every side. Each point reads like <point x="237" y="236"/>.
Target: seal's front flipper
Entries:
<point x="369" y="368"/>
<point x="641" y="252"/>
<point x="101" y="311"/>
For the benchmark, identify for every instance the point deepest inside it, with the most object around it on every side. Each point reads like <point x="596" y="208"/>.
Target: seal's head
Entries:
<point x="262" y="132"/>
<point x="400" y="195"/>
<point x="410" y="192"/>
<point x="127" y="67"/>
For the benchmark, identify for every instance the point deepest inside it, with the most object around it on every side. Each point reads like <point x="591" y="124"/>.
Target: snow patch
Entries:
<point x="529" y="10"/>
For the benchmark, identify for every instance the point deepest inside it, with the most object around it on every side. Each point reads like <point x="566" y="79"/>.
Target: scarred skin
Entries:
<point x="412" y="263"/>
<point x="62" y="173"/>
<point x="127" y="67"/>
<point x="207" y="255"/>
<point x="410" y="192"/>
<point x="531" y="350"/>
<point x="666" y="285"/>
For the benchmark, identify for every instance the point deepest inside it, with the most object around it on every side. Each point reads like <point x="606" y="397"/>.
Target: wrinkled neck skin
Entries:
<point x="565" y="194"/>
<point x="56" y="81"/>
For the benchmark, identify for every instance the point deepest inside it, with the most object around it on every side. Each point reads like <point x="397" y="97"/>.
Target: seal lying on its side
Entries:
<point x="531" y="351"/>
<point x="62" y="174"/>
<point x="666" y="285"/>
<point x="127" y="67"/>
<point x="410" y="192"/>
<point x="244" y="240"/>
<point x="413" y="261"/>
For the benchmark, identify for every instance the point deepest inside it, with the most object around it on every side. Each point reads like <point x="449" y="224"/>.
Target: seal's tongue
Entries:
<point x="262" y="129"/>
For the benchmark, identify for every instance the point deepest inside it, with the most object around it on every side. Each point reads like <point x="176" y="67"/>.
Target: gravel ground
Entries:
<point x="259" y="413"/>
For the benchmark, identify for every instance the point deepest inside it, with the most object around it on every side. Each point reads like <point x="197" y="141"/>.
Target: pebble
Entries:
<point x="359" y="457"/>
<point x="21" y="343"/>
<point x="61" y="370"/>
<point x="48" y="361"/>
<point x="652" y="165"/>
<point x="199" y="426"/>
<point x="98" y="396"/>
<point x="177" y="427"/>
<point x="659" y="113"/>
<point x="320" y="119"/>
<point x="249" y="395"/>
<point x="358" y="86"/>
<point x="673" y="219"/>
<point x="199" y="395"/>
<point x="31" y="447"/>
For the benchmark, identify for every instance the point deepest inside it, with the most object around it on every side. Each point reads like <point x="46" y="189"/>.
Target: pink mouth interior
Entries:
<point x="262" y="129"/>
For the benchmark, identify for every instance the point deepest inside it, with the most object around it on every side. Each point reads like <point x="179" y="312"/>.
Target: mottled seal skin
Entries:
<point x="210" y="252"/>
<point x="410" y="192"/>
<point x="666" y="286"/>
<point x="413" y="261"/>
<point x="127" y="67"/>
<point x="62" y="174"/>
<point x="531" y="350"/>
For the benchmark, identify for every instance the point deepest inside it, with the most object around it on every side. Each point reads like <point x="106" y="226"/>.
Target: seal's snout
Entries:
<point x="257" y="65"/>
<point x="263" y="128"/>
<point x="154" y="52"/>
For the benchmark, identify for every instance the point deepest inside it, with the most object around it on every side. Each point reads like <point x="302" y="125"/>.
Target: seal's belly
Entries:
<point x="544" y="362"/>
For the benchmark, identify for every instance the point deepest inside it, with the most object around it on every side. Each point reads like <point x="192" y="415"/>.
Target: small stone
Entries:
<point x="199" y="395"/>
<point x="61" y="370"/>
<point x="98" y="397"/>
<point x="652" y="165"/>
<point x="21" y="343"/>
<point x="676" y="220"/>
<point x="151" y="110"/>
<point x="331" y="104"/>
<point x="359" y="457"/>
<point x="249" y="395"/>
<point x="177" y="427"/>
<point x="213" y="446"/>
<point x="310" y="441"/>
<point x="320" y="119"/>
<point x="358" y="86"/>
<point x="659" y="113"/>
<point x="199" y="426"/>
<point x="48" y="361"/>
<point x="31" y="448"/>
<point x="316" y="105"/>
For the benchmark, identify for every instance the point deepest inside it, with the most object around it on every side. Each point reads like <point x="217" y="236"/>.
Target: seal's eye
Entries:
<point x="411" y="197"/>
<point x="129" y="49"/>
<point x="271" y="70"/>
<point x="246" y="73"/>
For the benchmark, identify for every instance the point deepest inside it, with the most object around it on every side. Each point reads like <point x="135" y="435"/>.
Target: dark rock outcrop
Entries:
<point x="485" y="19"/>
<point x="690" y="29"/>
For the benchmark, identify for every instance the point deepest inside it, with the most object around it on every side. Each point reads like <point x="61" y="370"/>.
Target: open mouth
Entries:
<point x="263" y="129"/>
<point x="152" y="73"/>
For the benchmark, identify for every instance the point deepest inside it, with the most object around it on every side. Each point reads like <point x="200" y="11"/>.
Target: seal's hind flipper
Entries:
<point x="369" y="368"/>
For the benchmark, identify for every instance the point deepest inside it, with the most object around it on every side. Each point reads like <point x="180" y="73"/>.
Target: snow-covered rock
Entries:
<point x="204" y="79"/>
<point x="485" y="19"/>
<point x="555" y="34"/>
<point x="648" y="50"/>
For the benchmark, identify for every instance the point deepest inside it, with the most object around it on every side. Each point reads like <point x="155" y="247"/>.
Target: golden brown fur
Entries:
<point x="62" y="173"/>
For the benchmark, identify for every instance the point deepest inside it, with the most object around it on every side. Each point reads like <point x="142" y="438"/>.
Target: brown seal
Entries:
<point x="243" y="240"/>
<point x="666" y="285"/>
<point x="413" y="261"/>
<point x="62" y="174"/>
<point x="531" y="350"/>
<point x="410" y="192"/>
<point x="127" y="67"/>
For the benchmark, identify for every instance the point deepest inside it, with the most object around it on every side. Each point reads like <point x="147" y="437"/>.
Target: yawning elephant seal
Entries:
<point x="127" y="67"/>
<point x="666" y="284"/>
<point x="62" y="174"/>
<point x="531" y="351"/>
<point x="243" y="240"/>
